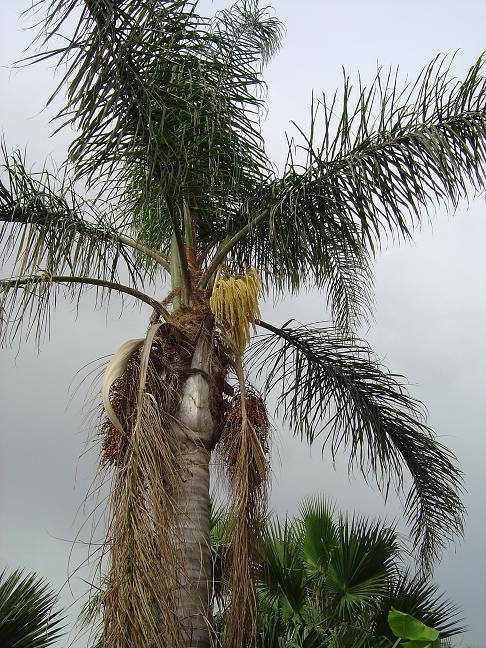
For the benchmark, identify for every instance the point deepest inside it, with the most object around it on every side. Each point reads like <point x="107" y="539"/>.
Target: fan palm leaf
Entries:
<point x="329" y="580"/>
<point x="419" y="597"/>
<point x="28" y="618"/>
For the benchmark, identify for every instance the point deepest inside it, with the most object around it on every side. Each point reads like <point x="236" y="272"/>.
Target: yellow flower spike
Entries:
<point x="234" y="303"/>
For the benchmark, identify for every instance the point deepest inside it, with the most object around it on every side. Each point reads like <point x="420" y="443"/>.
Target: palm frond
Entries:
<point x="27" y="615"/>
<point x="26" y="302"/>
<point x="143" y="531"/>
<point x="48" y="235"/>
<point x="319" y="535"/>
<point x="359" y="566"/>
<point x="296" y="246"/>
<point x="392" y="153"/>
<point x="244" y="448"/>
<point x="346" y="636"/>
<point x="326" y="579"/>
<point x="182" y="115"/>
<point x="381" y="163"/>
<point x="90" y="617"/>
<point x="251" y="33"/>
<point x="423" y="600"/>
<point x="45" y="223"/>
<point x="330" y="385"/>
<point x="281" y="586"/>
<point x="218" y="523"/>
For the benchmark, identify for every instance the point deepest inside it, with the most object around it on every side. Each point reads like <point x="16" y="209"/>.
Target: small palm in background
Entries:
<point x="327" y="580"/>
<point x="28" y="618"/>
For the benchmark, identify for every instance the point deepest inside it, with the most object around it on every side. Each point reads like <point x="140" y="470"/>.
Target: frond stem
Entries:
<point x="278" y="331"/>
<point x="227" y="246"/>
<point x="17" y="282"/>
<point x="181" y="248"/>
<point x="162" y="259"/>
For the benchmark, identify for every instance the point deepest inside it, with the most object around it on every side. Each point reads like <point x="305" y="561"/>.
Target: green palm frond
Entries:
<point x="134" y="43"/>
<point x="26" y="302"/>
<point x="331" y="386"/>
<point x="46" y="225"/>
<point x="347" y="636"/>
<point x="218" y="524"/>
<point x="422" y="599"/>
<point x="347" y="561"/>
<point x="91" y="617"/>
<point x="282" y="576"/>
<point x="319" y="535"/>
<point x="27" y="615"/>
<point x="183" y="114"/>
<point x="329" y="580"/>
<point x="302" y="248"/>
<point x="359" y="566"/>
<point x="43" y="226"/>
<point x="48" y="236"/>
<point x="393" y="153"/>
<point x="252" y="37"/>
<point x="371" y="170"/>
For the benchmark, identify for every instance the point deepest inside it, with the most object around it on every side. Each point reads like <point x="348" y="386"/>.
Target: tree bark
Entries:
<point x="195" y="429"/>
<point x="194" y="601"/>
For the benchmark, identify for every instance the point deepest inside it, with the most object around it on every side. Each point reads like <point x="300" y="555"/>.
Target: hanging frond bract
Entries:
<point x="234" y="303"/>
<point x="115" y="369"/>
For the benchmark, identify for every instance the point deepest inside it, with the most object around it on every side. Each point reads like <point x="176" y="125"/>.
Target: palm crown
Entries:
<point x="167" y="107"/>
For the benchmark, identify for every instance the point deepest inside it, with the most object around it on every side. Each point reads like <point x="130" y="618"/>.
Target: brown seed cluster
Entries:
<point x="170" y="357"/>
<point x="122" y="398"/>
<point x="232" y="435"/>
<point x="169" y="365"/>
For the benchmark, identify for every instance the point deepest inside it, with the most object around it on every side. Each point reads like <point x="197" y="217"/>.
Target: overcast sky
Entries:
<point x="428" y="325"/>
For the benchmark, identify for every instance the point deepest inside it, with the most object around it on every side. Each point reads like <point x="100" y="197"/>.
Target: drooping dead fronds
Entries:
<point x="231" y="438"/>
<point x="234" y="302"/>
<point x="140" y="607"/>
<point x="244" y="448"/>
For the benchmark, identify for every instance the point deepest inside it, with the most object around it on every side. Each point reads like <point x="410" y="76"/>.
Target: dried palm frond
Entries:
<point x="244" y="448"/>
<point x="234" y="303"/>
<point x="140" y="607"/>
<point x="144" y="531"/>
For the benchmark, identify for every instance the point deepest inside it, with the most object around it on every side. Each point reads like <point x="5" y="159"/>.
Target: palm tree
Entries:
<point x="330" y="580"/>
<point x="166" y="105"/>
<point x="27" y="617"/>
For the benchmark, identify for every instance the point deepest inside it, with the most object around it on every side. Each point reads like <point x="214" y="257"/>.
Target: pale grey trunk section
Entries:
<point x="195" y="429"/>
<point x="195" y="578"/>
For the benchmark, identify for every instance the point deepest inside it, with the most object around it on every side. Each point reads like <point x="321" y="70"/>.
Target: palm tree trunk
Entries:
<point x="194" y="600"/>
<point x="195" y="429"/>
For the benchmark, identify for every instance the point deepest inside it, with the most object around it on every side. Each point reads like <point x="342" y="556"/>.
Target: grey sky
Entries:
<point x="429" y="316"/>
